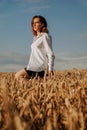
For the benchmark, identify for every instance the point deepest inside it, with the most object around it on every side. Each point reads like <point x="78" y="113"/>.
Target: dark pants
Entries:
<point x="33" y="73"/>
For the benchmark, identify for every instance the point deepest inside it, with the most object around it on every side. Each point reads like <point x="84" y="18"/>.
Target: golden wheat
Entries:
<point x="59" y="103"/>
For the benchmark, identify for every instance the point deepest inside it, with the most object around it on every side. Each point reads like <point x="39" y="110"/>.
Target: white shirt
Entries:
<point x="41" y="53"/>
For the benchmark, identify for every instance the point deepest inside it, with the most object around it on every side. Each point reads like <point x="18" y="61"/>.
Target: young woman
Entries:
<point x="42" y="56"/>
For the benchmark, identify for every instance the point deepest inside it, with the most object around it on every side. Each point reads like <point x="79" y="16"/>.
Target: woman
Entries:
<point x="42" y="56"/>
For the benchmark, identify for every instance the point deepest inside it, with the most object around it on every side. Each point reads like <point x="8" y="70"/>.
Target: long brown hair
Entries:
<point x="42" y="20"/>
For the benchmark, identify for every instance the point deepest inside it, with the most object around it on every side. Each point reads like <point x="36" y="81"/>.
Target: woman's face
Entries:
<point x="37" y="25"/>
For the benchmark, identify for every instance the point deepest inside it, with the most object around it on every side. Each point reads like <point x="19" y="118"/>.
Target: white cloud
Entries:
<point x="12" y="61"/>
<point x="18" y="2"/>
<point x="36" y="8"/>
<point x="36" y="1"/>
<point x="27" y="1"/>
<point x="20" y="6"/>
<point x="10" y="67"/>
<point x="70" y="60"/>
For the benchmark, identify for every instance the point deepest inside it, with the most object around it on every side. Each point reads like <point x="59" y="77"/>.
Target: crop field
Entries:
<point x="59" y="103"/>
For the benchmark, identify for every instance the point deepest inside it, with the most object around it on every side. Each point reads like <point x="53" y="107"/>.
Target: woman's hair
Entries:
<point x="43" y="21"/>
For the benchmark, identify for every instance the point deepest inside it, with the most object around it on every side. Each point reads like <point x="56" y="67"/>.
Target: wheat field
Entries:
<point x="59" y="103"/>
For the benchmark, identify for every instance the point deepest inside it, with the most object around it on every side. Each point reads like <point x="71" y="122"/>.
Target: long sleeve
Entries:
<point x="47" y="40"/>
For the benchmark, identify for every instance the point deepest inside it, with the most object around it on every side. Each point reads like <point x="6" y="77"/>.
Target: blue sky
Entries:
<point x="67" y="23"/>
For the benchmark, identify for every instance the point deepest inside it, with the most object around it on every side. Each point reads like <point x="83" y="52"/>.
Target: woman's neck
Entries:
<point x="38" y="34"/>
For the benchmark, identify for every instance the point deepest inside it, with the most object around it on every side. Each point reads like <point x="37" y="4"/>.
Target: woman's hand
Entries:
<point x="51" y="74"/>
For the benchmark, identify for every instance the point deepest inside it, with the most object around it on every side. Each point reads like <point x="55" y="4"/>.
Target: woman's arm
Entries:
<point x="48" y="47"/>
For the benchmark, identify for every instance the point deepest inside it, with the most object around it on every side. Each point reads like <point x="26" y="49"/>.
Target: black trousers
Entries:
<point x="33" y="73"/>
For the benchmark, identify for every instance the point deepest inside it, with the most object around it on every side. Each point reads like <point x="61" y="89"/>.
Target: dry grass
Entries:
<point x="44" y="104"/>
